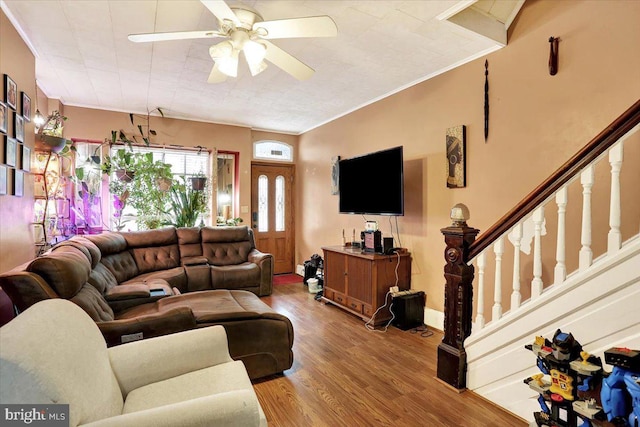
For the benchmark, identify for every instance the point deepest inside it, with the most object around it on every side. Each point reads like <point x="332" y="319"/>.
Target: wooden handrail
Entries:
<point x="560" y="177"/>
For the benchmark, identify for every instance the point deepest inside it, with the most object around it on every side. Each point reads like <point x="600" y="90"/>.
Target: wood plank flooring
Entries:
<point x="345" y="375"/>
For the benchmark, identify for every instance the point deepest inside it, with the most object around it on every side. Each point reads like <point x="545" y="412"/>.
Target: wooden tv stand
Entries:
<point x="358" y="282"/>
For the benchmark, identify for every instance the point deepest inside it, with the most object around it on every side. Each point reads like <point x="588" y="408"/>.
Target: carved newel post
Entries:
<point x="458" y="299"/>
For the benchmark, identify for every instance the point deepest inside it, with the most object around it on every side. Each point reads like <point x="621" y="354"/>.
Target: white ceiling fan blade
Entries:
<point x="216" y="75"/>
<point x="287" y="62"/>
<point x="221" y="11"/>
<point x="313" y="26"/>
<point x="179" y="35"/>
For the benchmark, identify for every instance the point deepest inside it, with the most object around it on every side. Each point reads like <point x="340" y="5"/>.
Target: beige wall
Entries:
<point x="16" y="239"/>
<point x="537" y="122"/>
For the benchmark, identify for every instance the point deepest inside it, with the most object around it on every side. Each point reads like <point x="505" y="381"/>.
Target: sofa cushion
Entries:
<point x="174" y="276"/>
<point x="189" y="242"/>
<point x="66" y="270"/>
<point x="102" y="279"/>
<point x="226" y="245"/>
<point x="85" y="245"/>
<point x="243" y="275"/>
<point x="154" y="250"/>
<point x="121" y="265"/>
<point x="218" y="379"/>
<point x="91" y="301"/>
<point x="108" y="243"/>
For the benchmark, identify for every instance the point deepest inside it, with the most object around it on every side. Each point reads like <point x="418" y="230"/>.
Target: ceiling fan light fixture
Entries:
<point x="254" y="52"/>
<point x="257" y="68"/>
<point x="229" y="64"/>
<point x="221" y="50"/>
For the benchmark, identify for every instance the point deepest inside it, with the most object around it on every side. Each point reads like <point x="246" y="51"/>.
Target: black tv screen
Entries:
<point x="372" y="184"/>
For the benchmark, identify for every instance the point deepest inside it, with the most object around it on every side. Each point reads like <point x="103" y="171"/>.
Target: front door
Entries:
<point x="272" y="213"/>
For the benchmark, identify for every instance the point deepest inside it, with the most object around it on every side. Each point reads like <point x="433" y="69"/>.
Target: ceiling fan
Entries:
<point x="245" y="31"/>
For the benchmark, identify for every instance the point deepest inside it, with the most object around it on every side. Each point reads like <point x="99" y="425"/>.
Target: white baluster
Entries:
<point x="516" y="296"/>
<point x="614" y="239"/>
<point x="560" y="271"/>
<point x="586" y="255"/>
<point x="496" y="311"/>
<point x="482" y="262"/>
<point x="536" y="283"/>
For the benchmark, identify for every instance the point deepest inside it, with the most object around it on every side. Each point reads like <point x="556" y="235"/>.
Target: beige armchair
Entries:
<point x="54" y="353"/>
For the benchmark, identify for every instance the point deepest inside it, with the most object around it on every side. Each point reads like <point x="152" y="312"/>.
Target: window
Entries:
<point x="272" y="150"/>
<point x="184" y="164"/>
<point x="263" y="203"/>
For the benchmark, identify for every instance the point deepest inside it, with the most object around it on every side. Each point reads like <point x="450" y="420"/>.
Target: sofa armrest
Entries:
<point x="149" y="325"/>
<point x="265" y="262"/>
<point x="144" y="362"/>
<point x="193" y="260"/>
<point x="233" y="408"/>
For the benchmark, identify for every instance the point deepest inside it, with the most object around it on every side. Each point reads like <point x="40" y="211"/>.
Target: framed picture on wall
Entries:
<point x="18" y="127"/>
<point x="10" y="148"/>
<point x="10" y="92"/>
<point x="26" y="158"/>
<point x="18" y="183"/>
<point x="26" y="107"/>
<point x="456" y="157"/>
<point x="3" y="117"/>
<point x="3" y="180"/>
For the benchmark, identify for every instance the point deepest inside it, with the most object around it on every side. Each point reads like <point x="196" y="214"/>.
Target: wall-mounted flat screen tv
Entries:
<point x="372" y="184"/>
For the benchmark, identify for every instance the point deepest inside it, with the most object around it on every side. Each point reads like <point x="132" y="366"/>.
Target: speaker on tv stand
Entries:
<point x="408" y="310"/>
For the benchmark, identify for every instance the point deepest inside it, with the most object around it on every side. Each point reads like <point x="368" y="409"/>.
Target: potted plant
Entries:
<point x="88" y="182"/>
<point x="122" y="163"/>
<point x="198" y="182"/>
<point x="49" y="137"/>
<point x="186" y="204"/>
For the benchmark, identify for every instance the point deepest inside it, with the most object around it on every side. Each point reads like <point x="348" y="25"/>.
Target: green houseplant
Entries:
<point x="186" y="204"/>
<point x="49" y="137"/>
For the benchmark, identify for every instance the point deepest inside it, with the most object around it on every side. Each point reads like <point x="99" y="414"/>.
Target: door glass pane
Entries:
<point x="263" y="203"/>
<point x="279" y="203"/>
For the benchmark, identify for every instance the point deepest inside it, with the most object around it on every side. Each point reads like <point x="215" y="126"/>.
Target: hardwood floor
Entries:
<point x="345" y="375"/>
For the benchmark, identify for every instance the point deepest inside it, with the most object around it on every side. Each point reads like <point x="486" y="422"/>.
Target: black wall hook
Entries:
<point x="553" y="55"/>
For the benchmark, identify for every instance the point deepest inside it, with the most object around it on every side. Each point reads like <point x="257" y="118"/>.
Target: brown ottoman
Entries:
<point x="258" y="336"/>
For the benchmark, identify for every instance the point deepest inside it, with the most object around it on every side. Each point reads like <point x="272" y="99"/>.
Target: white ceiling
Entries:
<point x="83" y="56"/>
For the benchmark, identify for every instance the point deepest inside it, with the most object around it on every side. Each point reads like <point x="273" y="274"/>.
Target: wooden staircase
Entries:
<point x="567" y="257"/>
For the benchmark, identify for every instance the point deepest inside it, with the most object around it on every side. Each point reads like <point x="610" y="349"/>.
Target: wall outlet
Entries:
<point x="394" y="289"/>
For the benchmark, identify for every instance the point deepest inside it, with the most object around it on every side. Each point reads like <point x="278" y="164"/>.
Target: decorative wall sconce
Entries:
<point x="553" y="55"/>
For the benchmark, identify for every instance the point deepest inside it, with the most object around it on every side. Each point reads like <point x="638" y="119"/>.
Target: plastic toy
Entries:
<point x="566" y="399"/>
<point x="621" y="389"/>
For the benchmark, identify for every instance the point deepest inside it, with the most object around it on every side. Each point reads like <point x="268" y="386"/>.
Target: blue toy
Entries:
<point x="620" y="392"/>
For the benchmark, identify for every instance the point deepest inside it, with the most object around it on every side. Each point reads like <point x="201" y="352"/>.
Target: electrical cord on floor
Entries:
<point x="369" y="322"/>
<point x="424" y="331"/>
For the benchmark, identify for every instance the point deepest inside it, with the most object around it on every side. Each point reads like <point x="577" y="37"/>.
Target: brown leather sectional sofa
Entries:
<point x="144" y="284"/>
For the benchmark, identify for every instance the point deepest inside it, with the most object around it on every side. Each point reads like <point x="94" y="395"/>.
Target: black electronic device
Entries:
<point x="408" y="309"/>
<point x="372" y="184"/>
<point x="372" y="241"/>
<point x="387" y="245"/>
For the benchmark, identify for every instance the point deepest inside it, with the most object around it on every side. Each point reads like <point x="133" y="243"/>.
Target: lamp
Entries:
<point x="38" y="118"/>
<point x="225" y="54"/>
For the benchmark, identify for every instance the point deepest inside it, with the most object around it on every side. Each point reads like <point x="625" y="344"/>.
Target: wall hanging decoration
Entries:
<point x="486" y="100"/>
<point x="3" y="180"/>
<point x="10" y="151"/>
<point x="18" y="183"/>
<point x="26" y="158"/>
<point x="3" y="117"/>
<point x="335" y="175"/>
<point x="18" y="127"/>
<point x="10" y="92"/>
<point x="553" y="55"/>
<point x="26" y="107"/>
<point x="456" y="153"/>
